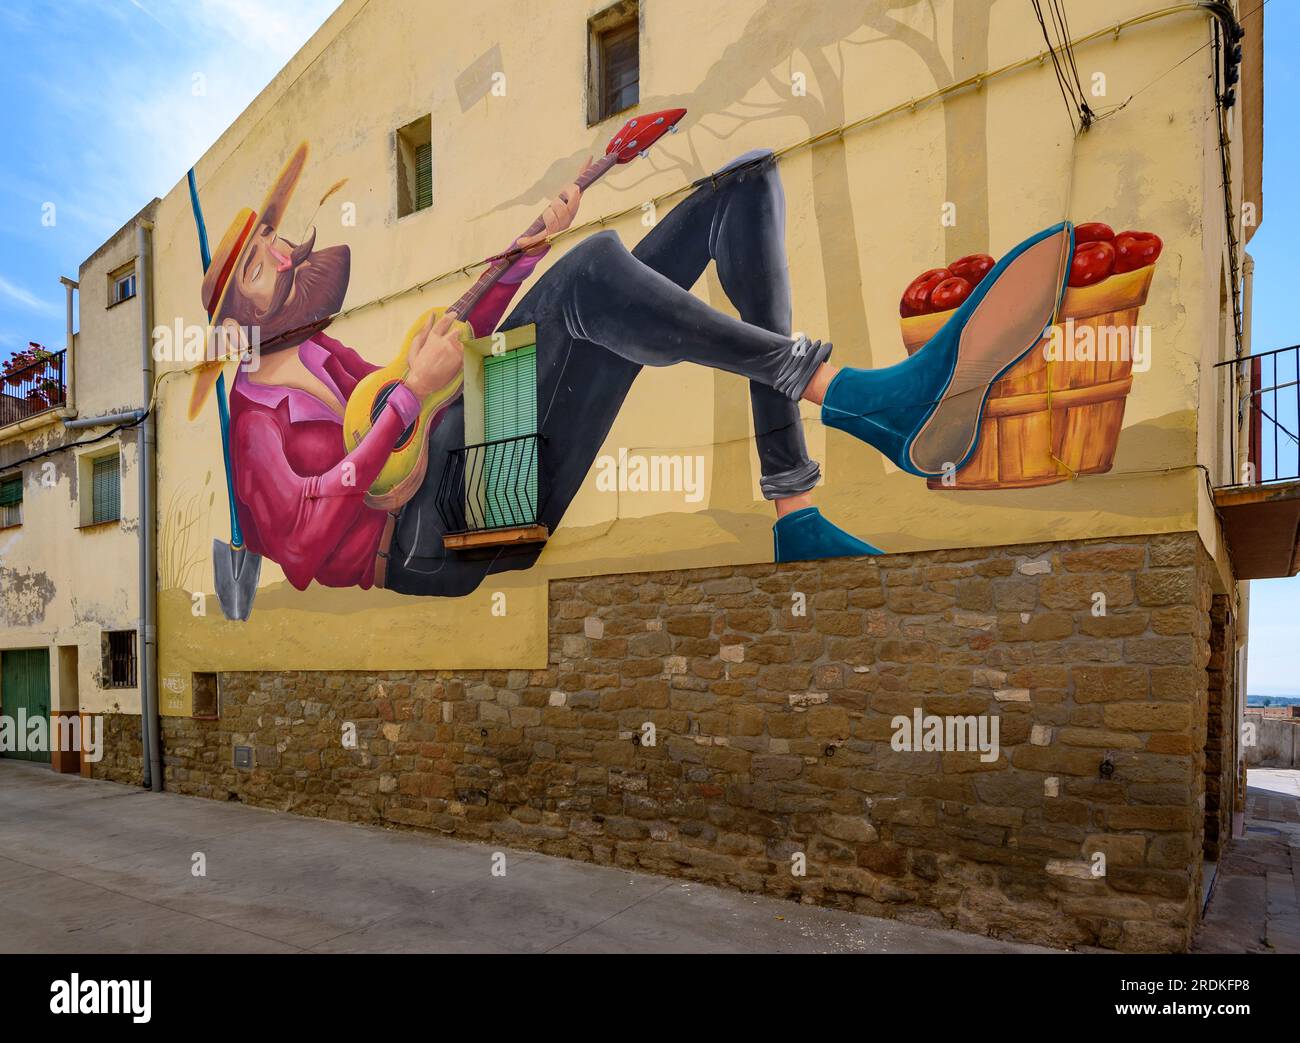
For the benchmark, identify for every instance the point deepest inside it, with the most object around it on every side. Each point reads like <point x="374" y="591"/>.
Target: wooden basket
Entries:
<point x="1021" y="439"/>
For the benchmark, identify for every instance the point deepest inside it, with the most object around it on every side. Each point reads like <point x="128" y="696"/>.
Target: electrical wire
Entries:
<point x="973" y="82"/>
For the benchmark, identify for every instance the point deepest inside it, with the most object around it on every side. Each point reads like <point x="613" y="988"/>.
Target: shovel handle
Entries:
<point x="223" y="408"/>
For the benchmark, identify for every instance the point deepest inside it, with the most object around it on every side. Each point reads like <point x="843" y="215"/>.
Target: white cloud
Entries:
<point x="18" y="295"/>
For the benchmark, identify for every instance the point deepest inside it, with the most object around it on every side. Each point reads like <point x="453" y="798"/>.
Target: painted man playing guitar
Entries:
<point x="313" y="428"/>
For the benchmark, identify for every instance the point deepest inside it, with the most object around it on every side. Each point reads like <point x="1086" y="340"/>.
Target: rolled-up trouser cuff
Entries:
<point x="800" y="365"/>
<point x="792" y="482"/>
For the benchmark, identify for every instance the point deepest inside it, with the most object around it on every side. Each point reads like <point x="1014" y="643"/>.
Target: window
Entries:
<point x="613" y="61"/>
<point x="121" y="285"/>
<point x="106" y="489"/>
<point x="206" y="695"/>
<point x="415" y="167"/>
<point x="509" y="414"/>
<point x="11" y="500"/>
<point x="119" y="658"/>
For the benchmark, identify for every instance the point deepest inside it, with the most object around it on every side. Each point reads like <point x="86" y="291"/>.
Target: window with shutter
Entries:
<point x="11" y="501"/>
<point x="510" y="460"/>
<point x="106" y="490"/>
<point x="424" y="176"/>
<point x="613" y="60"/>
<point x="414" y="162"/>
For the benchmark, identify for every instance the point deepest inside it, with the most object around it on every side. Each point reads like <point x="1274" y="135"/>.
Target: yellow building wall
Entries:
<point x="865" y="215"/>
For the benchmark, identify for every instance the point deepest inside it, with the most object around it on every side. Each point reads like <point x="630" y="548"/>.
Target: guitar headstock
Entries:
<point x="640" y="132"/>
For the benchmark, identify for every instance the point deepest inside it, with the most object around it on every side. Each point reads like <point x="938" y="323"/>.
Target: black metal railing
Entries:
<point x="1265" y="435"/>
<point x="492" y="485"/>
<point x="33" y="388"/>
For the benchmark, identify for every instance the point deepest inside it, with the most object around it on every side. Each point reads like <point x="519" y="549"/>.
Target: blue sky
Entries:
<point x="1275" y="603"/>
<point x="100" y="114"/>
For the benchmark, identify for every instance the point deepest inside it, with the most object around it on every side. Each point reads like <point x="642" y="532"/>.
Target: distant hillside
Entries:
<point x="1272" y="700"/>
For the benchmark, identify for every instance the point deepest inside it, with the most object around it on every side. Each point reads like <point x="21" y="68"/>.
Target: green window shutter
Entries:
<point x="423" y="176"/>
<point x="11" y="501"/>
<point x="106" y="490"/>
<point x="11" y="491"/>
<point x="509" y="411"/>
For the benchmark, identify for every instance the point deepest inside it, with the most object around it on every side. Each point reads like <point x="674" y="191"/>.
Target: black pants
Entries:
<point x="601" y="314"/>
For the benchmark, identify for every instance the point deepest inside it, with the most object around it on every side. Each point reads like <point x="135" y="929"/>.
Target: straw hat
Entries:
<point x="228" y="256"/>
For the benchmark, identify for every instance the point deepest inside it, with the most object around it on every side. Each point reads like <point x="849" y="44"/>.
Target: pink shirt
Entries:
<point x="299" y="494"/>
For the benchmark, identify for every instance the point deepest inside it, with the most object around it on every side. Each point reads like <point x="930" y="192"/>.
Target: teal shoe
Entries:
<point x="805" y="535"/>
<point x="924" y="413"/>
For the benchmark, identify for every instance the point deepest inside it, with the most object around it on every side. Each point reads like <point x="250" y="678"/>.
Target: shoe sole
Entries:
<point x="1028" y="291"/>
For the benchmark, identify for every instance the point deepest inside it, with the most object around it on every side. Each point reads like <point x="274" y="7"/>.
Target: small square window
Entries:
<point x="613" y="61"/>
<point x="206" y="695"/>
<point x="414" y="144"/>
<point x="118" y="648"/>
<point x="106" y="489"/>
<point x="121" y="285"/>
<point x="11" y="500"/>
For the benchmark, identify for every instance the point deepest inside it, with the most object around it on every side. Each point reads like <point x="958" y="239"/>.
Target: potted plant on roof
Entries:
<point x="13" y="373"/>
<point x="52" y="390"/>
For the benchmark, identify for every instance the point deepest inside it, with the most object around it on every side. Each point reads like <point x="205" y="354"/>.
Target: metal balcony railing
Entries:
<point x="33" y="389"/>
<point x="492" y="485"/>
<point x="1265" y="438"/>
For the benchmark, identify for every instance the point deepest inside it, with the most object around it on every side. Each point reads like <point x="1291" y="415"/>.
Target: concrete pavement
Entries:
<point x="90" y="866"/>
<point x="1255" y="904"/>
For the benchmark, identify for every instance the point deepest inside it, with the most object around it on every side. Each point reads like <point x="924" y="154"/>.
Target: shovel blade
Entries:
<point x="236" y="573"/>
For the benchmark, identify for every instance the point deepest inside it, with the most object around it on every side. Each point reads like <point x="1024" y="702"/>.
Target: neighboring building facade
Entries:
<point x="580" y="626"/>
<point x="69" y="580"/>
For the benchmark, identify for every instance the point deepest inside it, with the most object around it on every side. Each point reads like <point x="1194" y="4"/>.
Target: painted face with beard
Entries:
<point x="288" y="291"/>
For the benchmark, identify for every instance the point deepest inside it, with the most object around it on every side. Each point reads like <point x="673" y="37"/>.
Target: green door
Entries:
<point x="25" y="686"/>
<point x="510" y="461"/>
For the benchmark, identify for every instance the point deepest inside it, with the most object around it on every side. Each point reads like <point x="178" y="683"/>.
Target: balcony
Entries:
<point x="34" y="385"/>
<point x="1260" y="503"/>
<point x="487" y="496"/>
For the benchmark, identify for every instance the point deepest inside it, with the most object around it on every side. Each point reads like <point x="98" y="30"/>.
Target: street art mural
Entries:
<point x="758" y="341"/>
<point x="349" y="474"/>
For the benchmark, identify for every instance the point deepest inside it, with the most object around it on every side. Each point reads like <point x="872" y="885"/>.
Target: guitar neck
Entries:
<point x="501" y="264"/>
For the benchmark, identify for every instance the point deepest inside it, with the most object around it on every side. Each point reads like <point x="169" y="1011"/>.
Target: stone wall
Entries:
<point x="123" y="754"/>
<point x="1220" y="736"/>
<point x="773" y="692"/>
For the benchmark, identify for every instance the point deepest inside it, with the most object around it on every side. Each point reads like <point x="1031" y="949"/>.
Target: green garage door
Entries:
<point x="25" y="685"/>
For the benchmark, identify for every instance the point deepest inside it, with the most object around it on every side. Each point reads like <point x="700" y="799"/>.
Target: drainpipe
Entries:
<point x="1247" y="300"/>
<point x="147" y="445"/>
<point x="103" y="420"/>
<point x="70" y="377"/>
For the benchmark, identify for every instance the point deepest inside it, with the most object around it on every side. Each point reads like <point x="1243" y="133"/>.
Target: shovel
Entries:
<point x="235" y="568"/>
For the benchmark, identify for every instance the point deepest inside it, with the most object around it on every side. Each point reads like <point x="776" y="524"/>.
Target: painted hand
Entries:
<point x="559" y="212"/>
<point x="435" y="359"/>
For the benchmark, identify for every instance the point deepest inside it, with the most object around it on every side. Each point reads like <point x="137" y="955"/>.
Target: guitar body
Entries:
<point x="405" y="469"/>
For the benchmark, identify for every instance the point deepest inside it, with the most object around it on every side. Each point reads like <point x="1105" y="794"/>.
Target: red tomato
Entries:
<point x="916" y="298"/>
<point x="1135" y="250"/>
<point x="1092" y="262"/>
<point x="972" y="268"/>
<point x="950" y="293"/>
<point x="1093" y="232"/>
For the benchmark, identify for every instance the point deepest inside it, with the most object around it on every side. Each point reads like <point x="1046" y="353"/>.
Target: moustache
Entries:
<point x="288" y="275"/>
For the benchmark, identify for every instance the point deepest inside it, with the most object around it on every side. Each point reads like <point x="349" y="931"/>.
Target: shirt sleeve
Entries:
<point x="489" y="311"/>
<point x="302" y="519"/>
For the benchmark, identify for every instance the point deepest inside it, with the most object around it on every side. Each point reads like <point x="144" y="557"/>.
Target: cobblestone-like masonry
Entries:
<point x="773" y="737"/>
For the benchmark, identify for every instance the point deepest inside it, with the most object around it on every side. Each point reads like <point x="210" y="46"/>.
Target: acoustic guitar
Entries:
<point x="402" y="474"/>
